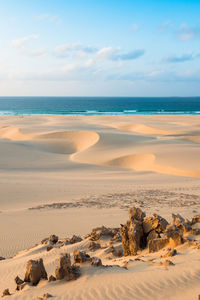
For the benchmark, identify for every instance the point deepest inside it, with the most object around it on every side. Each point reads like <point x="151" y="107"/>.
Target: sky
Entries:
<point x="99" y="48"/>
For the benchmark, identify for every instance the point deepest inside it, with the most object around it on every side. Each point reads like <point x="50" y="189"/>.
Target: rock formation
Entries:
<point x="35" y="271"/>
<point x="65" y="269"/>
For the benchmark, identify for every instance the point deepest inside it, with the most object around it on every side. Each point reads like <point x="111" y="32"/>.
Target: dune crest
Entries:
<point x="141" y="128"/>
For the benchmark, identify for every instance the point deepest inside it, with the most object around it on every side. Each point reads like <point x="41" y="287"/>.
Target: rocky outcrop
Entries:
<point x="74" y="239"/>
<point x="35" y="271"/>
<point x="53" y="239"/>
<point x="80" y="256"/>
<point x="195" y="219"/>
<point x="175" y="235"/>
<point x="101" y="232"/>
<point x="94" y="246"/>
<point x="156" y="223"/>
<point x="65" y="269"/>
<point x="157" y="244"/>
<point x="181" y="223"/>
<point x="96" y="262"/>
<point x="132" y="232"/>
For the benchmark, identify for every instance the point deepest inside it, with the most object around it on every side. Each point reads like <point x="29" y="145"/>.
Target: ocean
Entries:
<point x="99" y="105"/>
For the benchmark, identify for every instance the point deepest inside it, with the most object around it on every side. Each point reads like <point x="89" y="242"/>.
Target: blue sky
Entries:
<point x="100" y="48"/>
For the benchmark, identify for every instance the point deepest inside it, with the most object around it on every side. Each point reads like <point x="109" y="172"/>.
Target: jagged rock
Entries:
<point x="20" y="283"/>
<point x="80" y="256"/>
<point x="20" y="287"/>
<point x="117" y="237"/>
<point x="152" y="235"/>
<point x="136" y="213"/>
<point x="74" y="239"/>
<point x="180" y="222"/>
<point x="45" y="241"/>
<point x="103" y="231"/>
<point x="94" y="246"/>
<point x="65" y="269"/>
<point x="51" y="278"/>
<point x="95" y="261"/>
<point x="196" y="231"/>
<point x="2" y="258"/>
<point x="157" y="244"/>
<point x="35" y="271"/>
<point x="18" y="280"/>
<point x="175" y="235"/>
<point x="195" y="219"/>
<point x="132" y="232"/>
<point x="156" y="223"/>
<point x="53" y="238"/>
<point x="6" y="292"/>
<point x="49" y="248"/>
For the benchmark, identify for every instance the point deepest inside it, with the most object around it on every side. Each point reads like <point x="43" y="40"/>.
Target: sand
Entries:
<point x="69" y="174"/>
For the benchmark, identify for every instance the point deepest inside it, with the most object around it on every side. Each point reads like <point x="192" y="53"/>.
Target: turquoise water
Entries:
<point x="98" y="105"/>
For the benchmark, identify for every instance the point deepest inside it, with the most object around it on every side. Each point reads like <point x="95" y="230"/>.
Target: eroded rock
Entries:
<point x="94" y="246"/>
<point x="53" y="238"/>
<point x="156" y="223"/>
<point x="80" y="256"/>
<point x="132" y="232"/>
<point x="35" y="271"/>
<point x="96" y="262"/>
<point x="65" y="269"/>
<point x="157" y="244"/>
<point x="6" y="292"/>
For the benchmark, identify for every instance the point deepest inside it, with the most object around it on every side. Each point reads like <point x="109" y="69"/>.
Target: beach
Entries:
<point x="66" y="175"/>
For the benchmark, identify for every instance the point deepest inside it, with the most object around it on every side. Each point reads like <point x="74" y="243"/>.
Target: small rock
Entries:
<point x="6" y="292"/>
<point x="74" y="239"/>
<point x="196" y="219"/>
<point x="95" y="261"/>
<point x="80" y="256"/>
<point x="47" y="295"/>
<point x="94" y="246"/>
<point x="53" y="238"/>
<point x="18" y="280"/>
<point x="45" y="241"/>
<point x="35" y="271"/>
<point x="157" y="244"/>
<point x="2" y="258"/>
<point x="51" y="278"/>
<point x="196" y="231"/>
<point x="167" y="263"/>
<point x="171" y="252"/>
<point x="49" y="248"/>
<point x="20" y="287"/>
<point x="103" y="231"/>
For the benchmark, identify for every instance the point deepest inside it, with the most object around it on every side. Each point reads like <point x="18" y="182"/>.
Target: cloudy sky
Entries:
<point x="100" y="48"/>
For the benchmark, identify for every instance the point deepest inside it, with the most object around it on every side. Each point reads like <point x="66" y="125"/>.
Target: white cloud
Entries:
<point x="78" y="49"/>
<point x="186" y="33"/>
<point x="50" y="18"/>
<point x="20" y="43"/>
<point x="107" y="53"/>
<point x="110" y="53"/>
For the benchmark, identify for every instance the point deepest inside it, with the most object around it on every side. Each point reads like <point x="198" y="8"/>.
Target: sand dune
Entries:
<point x="144" y="129"/>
